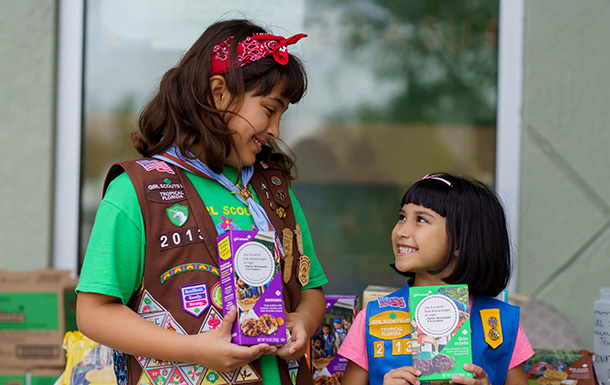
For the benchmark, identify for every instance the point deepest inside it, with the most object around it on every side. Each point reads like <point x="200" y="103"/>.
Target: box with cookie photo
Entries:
<point x="328" y="367"/>
<point x="560" y="367"/>
<point x="250" y="279"/>
<point x="440" y="331"/>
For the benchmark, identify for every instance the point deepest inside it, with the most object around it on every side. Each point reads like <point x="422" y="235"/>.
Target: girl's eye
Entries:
<point x="401" y="217"/>
<point x="270" y="111"/>
<point x="421" y="220"/>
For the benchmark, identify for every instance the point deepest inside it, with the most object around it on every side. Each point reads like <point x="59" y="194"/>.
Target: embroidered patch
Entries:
<point x="212" y="321"/>
<point x="165" y="191"/>
<point x="188" y="267"/>
<point x="178" y="214"/>
<point x="150" y="165"/>
<point x="276" y="181"/>
<point x="216" y="294"/>
<point x="392" y="301"/>
<point x="195" y="298"/>
<point x="180" y="237"/>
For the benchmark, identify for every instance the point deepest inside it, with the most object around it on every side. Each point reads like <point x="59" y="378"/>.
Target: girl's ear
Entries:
<point x="220" y="92"/>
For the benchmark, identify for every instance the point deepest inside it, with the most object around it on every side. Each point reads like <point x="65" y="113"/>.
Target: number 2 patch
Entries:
<point x="178" y="238"/>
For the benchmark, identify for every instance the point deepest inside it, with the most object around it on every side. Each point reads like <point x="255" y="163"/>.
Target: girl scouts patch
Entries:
<point x="178" y="214"/>
<point x="195" y="298"/>
<point x="217" y="295"/>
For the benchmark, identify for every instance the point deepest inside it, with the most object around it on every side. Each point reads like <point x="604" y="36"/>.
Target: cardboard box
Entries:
<point x="440" y="331"/>
<point x="373" y="292"/>
<point x="560" y="367"/>
<point x="29" y="377"/>
<point x="33" y="317"/>
<point x="327" y="367"/>
<point x="251" y="280"/>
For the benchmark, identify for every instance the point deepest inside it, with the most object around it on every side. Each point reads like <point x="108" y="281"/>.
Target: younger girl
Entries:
<point x="149" y="286"/>
<point x="450" y="230"/>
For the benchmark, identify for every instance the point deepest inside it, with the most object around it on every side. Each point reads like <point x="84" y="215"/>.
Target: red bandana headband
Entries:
<point x="251" y="49"/>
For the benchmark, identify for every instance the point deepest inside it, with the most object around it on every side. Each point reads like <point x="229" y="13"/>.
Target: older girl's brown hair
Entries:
<point x="183" y="111"/>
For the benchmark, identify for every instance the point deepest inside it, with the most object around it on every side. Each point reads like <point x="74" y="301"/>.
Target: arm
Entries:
<point x="355" y="375"/>
<point x="106" y="320"/>
<point x="516" y="376"/>
<point x="303" y="323"/>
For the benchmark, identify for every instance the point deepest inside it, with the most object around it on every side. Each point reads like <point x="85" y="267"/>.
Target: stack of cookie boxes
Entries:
<point x="440" y="321"/>
<point x="250" y="280"/>
<point x="328" y="367"/>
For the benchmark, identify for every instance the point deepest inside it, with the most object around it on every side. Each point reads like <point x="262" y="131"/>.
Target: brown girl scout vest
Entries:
<point x="181" y="254"/>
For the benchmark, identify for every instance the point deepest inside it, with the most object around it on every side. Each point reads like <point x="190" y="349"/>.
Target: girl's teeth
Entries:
<point x="406" y="250"/>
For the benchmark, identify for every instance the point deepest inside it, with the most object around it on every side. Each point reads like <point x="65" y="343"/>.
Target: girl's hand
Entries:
<point x="217" y="351"/>
<point x="401" y="376"/>
<point x="295" y="322"/>
<point x="480" y="376"/>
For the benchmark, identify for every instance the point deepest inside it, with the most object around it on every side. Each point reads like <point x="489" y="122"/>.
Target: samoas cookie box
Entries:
<point x="440" y="331"/>
<point x="250" y="280"/>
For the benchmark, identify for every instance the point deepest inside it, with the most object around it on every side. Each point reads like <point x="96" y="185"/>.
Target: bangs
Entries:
<point x="266" y="73"/>
<point x="429" y="193"/>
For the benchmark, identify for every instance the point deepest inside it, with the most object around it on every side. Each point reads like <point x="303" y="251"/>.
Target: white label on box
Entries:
<point x="436" y="315"/>
<point x="254" y="264"/>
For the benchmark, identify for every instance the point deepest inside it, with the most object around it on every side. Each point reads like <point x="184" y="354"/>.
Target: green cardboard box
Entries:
<point x="440" y="323"/>
<point x="36" y="310"/>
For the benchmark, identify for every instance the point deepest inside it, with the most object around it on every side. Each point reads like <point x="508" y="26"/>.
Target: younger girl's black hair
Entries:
<point x="479" y="248"/>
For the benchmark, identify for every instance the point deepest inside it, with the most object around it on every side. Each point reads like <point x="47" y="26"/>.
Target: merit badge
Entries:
<point x="216" y="295"/>
<point x="281" y="213"/>
<point x="281" y="195"/>
<point x="299" y="235"/>
<point x="287" y="241"/>
<point x="287" y="268"/>
<point x="178" y="214"/>
<point x="195" y="298"/>
<point x="276" y="181"/>
<point x="304" y="263"/>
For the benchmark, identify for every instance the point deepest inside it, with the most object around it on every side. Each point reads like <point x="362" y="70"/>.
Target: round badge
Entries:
<point x="276" y="181"/>
<point x="216" y="295"/>
<point x="493" y="334"/>
<point x="492" y="321"/>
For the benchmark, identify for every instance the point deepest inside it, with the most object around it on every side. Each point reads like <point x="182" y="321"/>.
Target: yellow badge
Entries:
<point x="390" y="325"/>
<point x="492" y="327"/>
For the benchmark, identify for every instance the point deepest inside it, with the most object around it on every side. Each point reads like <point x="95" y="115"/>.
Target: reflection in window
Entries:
<point x="397" y="90"/>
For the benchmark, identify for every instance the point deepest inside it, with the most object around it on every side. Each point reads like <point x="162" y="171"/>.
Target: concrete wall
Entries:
<point x="27" y="111"/>
<point x="564" y="235"/>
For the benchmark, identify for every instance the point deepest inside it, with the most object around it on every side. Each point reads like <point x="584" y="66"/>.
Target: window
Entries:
<point x="397" y="90"/>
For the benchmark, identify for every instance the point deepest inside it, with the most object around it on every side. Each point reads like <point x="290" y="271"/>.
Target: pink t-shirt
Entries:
<point x="354" y="347"/>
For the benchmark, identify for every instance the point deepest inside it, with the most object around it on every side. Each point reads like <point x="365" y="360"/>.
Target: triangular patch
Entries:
<point x="192" y="373"/>
<point x="176" y="378"/>
<point x="212" y="320"/>
<point x="144" y="379"/>
<point x="171" y="324"/>
<point x="230" y="376"/>
<point x="148" y="304"/>
<point x="247" y="374"/>
<point x="212" y="377"/>
<point x="158" y="376"/>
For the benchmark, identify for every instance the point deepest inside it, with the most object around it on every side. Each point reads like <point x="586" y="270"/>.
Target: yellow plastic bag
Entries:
<point x="87" y="362"/>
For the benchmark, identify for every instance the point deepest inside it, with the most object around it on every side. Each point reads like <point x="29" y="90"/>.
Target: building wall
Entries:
<point x="27" y="108"/>
<point x="564" y="224"/>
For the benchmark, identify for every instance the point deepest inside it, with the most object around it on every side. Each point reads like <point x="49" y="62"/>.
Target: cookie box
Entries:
<point x="440" y="323"/>
<point x="560" y="367"/>
<point x="328" y="367"/>
<point x="251" y="281"/>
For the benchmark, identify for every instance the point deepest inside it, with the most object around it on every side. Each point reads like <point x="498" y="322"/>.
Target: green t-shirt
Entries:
<point x="114" y="261"/>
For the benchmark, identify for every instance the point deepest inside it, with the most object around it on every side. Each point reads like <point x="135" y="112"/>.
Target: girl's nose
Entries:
<point x="274" y="129"/>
